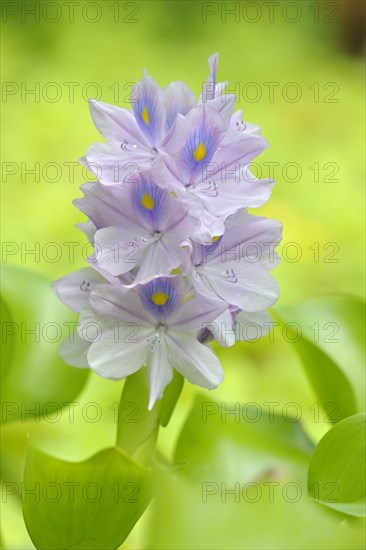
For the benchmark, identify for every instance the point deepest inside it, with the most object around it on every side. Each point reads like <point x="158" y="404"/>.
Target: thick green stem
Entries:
<point x="137" y="427"/>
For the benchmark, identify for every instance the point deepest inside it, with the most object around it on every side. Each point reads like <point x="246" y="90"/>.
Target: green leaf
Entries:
<point x="274" y="515"/>
<point x="337" y="469"/>
<point x="328" y="335"/>
<point x="170" y="398"/>
<point x="85" y="505"/>
<point x="243" y="443"/>
<point x="137" y="427"/>
<point x="242" y="485"/>
<point x="37" y="377"/>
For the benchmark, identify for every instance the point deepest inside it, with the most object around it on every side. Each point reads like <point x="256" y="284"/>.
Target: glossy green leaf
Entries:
<point x="240" y="442"/>
<point x="273" y="514"/>
<point x="241" y="466"/>
<point x="337" y="468"/>
<point x="37" y="381"/>
<point x="328" y="334"/>
<point x="85" y="505"/>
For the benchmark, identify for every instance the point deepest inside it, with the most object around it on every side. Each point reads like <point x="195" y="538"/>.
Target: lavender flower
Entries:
<point x="235" y="267"/>
<point x="139" y="227"/>
<point x="210" y="172"/>
<point x="178" y="261"/>
<point x="137" y="138"/>
<point x="119" y="332"/>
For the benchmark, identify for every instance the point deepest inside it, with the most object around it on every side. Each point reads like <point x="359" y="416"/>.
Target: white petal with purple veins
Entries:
<point x="196" y="313"/>
<point x="252" y="326"/>
<point x="159" y="370"/>
<point x="115" y="123"/>
<point x="73" y="290"/>
<point x="118" y="357"/>
<point x="193" y="360"/>
<point x="73" y="351"/>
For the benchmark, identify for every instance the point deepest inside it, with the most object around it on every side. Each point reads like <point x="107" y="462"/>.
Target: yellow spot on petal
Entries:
<point x="214" y="239"/>
<point x="175" y="271"/>
<point x="160" y="298"/>
<point x="173" y="194"/>
<point x="147" y="202"/>
<point x="200" y="152"/>
<point x="145" y="115"/>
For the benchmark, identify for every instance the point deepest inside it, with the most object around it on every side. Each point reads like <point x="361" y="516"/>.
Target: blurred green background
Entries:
<point x="310" y="54"/>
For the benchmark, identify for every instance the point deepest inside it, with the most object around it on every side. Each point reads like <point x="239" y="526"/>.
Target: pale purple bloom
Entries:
<point x="210" y="172"/>
<point x="134" y="139"/>
<point x="149" y="324"/>
<point x="235" y="268"/>
<point x="74" y="289"/>
<point x="138" y="226"/>
<point x="174" y="183"/>
<point x="235" y="325"/>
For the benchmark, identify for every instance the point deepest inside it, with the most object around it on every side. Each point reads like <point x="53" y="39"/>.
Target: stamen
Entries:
<point x="85" y="286"/>
<point x="230" y="276"/>
<point x="155" y="339"/>
<point x="212" y="189"/>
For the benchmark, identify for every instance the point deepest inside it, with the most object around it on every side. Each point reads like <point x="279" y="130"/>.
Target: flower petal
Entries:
<point x="149" y="110"/>
<point x="115" y="123"/>
<point x="109" y="301"/>
<point x="73" y="351"/>
<point x="196" y="313"/>
<point x="106" y="206"/>
<point x="226" y="198"/>
<point x="221" y="329"/>
<point x="238" y="126"/>
<point x="224" y="104"/>
<point x="158" y="260"/>
<point x="178" y="99"/>
<point x="236" y="154"/>
<point x="206" y="130"/>
<point x="88" y="228"/>
<point x="252" y="326"/>
<point x="162" y="297"/>
<point x="159" y="371"/>
<point x="193" y="360"/>
<point x="247" y="287"/>
<point x="112" y="165"/>
<point x="252" y="239"/>
<point x="119" y="355"/>
<point x="119" y="249"/>
<point x="74" y="289"/>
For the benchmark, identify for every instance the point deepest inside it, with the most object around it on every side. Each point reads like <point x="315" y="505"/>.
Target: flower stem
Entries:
<point x="137" y="428"/>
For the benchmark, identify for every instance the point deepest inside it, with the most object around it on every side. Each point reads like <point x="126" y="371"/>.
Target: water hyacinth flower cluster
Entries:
<point x="178" y="261"/>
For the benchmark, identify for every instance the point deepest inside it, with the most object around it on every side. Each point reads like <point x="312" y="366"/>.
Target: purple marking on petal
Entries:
<point x="149" y="110"/>
<point x="149" y="201"/>
<point x="162" y="296"/>
<point x="205" y="133"/>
